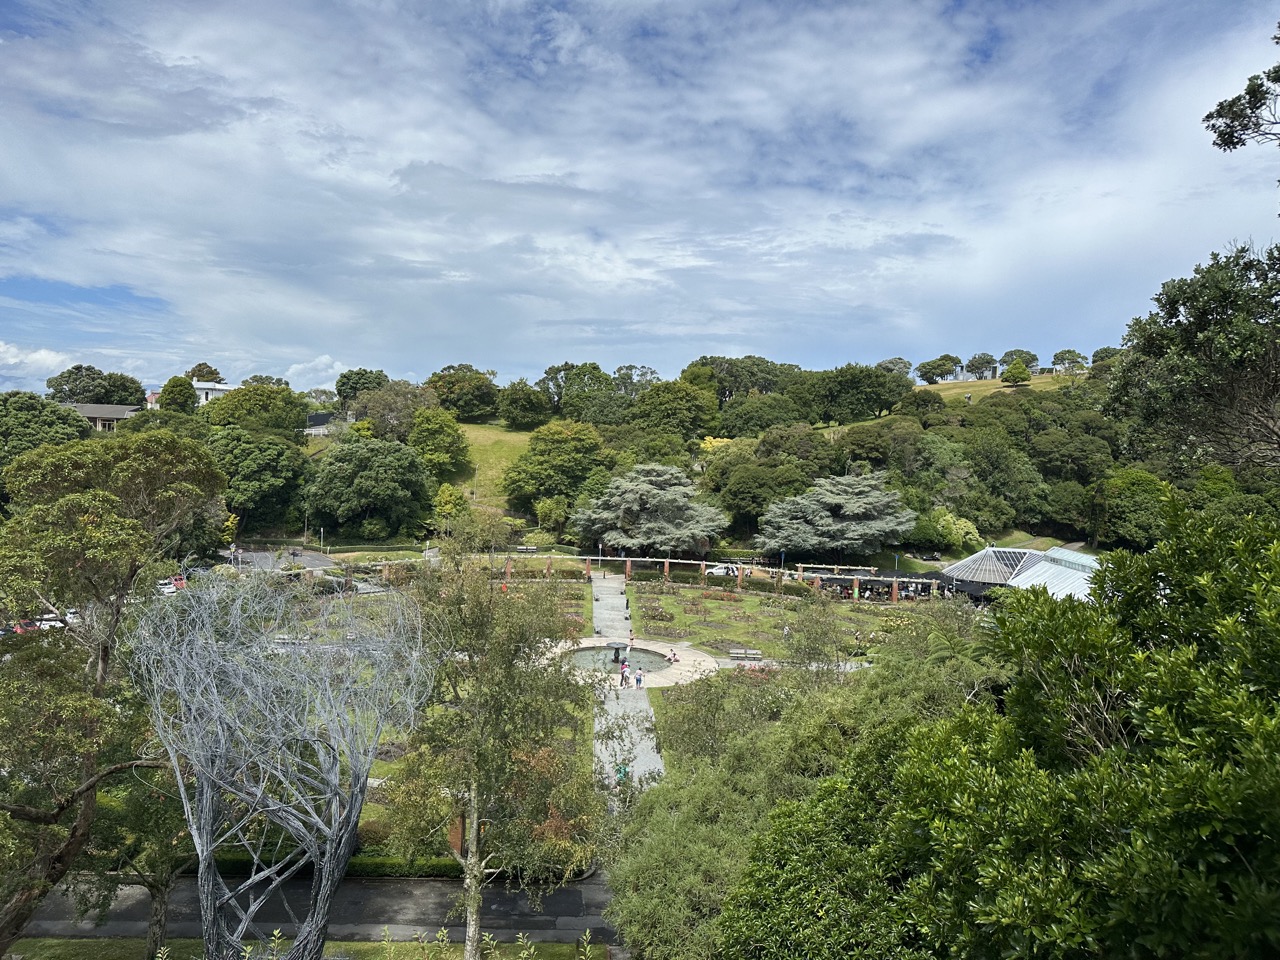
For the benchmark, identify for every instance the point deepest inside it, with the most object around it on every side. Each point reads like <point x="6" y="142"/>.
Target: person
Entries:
<point x="622" y="681"/>
<point x="639" y="677"/>
<point x="671" y="657"/>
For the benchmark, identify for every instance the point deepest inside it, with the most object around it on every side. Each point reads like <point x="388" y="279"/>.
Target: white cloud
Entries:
<point x="511" y="186"/>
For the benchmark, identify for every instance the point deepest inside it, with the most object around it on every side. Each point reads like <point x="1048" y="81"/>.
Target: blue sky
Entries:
<point x="297" y="188"/>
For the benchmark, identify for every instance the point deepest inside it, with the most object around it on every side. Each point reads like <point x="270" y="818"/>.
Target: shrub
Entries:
<point x="686" y="576"/>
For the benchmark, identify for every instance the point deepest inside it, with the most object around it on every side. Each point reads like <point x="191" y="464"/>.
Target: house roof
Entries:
<point x="104" y="411"/>
<point x="994" y="565"/>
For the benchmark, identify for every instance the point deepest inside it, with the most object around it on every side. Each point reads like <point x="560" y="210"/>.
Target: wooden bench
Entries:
<point x="524" y="549"/>
<point x="742" y="653"/>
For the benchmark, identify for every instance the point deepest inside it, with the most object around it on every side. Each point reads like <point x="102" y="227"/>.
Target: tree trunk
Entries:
<point x="44" y="874"/>
<point x="472" y="877"/>
<point x="158" y="920"/>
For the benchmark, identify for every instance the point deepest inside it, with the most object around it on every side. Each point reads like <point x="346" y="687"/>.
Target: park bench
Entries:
<point x="742" y="653"/>
<point x="525" y="549"/>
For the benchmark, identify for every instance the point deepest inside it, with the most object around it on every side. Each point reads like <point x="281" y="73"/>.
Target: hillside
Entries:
<point x="983" y="388"/>
<point x="493" y="448"/>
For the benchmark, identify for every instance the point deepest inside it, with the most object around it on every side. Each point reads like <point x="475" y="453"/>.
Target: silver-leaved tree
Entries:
<point x="270" y="702"/>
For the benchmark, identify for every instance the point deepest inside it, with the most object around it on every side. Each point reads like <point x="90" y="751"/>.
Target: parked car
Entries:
<point x="724" y="570"/>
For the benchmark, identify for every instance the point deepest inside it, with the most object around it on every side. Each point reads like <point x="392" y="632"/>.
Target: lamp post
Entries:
<point x="322" y="539"/>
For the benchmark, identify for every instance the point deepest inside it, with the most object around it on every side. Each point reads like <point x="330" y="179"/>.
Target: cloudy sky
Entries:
<point x="297" y="188"/>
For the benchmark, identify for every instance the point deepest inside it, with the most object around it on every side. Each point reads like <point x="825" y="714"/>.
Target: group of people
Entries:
<point x="627" y="679"/>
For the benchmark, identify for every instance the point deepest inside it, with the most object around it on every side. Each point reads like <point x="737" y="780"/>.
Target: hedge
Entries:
<point x="361" y="865"/>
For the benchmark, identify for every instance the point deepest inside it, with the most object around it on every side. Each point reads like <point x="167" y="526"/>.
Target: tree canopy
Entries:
<point x="842" y="515"/>
<point x="178" y="395"/>
<point x="27" y="421"/>
<point x="651" y="510"/>
<point x="83" y="383"/>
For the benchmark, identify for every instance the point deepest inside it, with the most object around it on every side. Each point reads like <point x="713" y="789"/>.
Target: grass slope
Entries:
<point x="493" y="448"/>
<point x="984" y="388"/>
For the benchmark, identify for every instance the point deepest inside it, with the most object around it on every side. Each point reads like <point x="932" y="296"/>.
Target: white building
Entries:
<point x="206" y="391"/>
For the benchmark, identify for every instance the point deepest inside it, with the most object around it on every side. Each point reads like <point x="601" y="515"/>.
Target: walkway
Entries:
<point x="362" y="909"/>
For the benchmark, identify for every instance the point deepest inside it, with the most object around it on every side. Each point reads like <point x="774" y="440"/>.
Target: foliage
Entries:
<point x="205" y="373"/>
<point x="351" y="383"/>
<point x="449" y="508"/>
<point x="557" y="461"/>
<point x="650" y="509"/>
<point x="1015" y="373"/>
<point x="363" y="479"/>
<point x="264" y="380"/>
<point x="391" y="408"/>
<point x="178" y="395"/>
<point x="179" y="424"/>
<point x="1029" y="359"/>
<point x="1248" y="117"/>
<point x="676" y="406"/>
<point x="522" y="406"/>
<point x="896" y="365"/>
<point x="1128" y="508"/>
<point x="939" y="368"/>
<point x="264" y="472"/>
<point x="500" y="755"/>
<point x="747" y="415"/>
<point x="470" y="393"/>
<point x="440" y="442"/>
<point x="27" y="421"/>
<point x="83" y="383"/>
<point x="980" y="363"/>
<point x="1202" y="371"/>
<point x="853" y="514"/>
<point x="260" y="409"/>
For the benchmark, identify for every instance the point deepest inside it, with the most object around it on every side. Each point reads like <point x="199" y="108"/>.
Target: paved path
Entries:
<point x="362" y="909"/>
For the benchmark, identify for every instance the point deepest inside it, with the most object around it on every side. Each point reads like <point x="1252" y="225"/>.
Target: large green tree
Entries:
<point x="651" y="510"/>
<point x="83" y="383"/>
<point x="837" y="515"/>
<point x="470" y="393"/>
<point x="939" y="368"/>
<point x="1202" y="372"/>
<point x="205" y="373"/>
<point x="390" y="409"/>
<point x="676" y="406"/>
<point x="27" y="421"/>
<point x="440" y="442"/>
<point x="1251" y="116"/>
<point x="558" y="460"/>
<point x="374" y="486"/>
<point x="178" y="395"/>
<point x="261" y="409"/>
<point x="264" y="472"/>
<point x="522" y="406"/>
<point x="351" y="383"/>
<point x="500" y="755"/>
<point x="91" y="519"/>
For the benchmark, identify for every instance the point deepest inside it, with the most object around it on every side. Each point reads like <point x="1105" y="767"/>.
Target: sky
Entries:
<point x="299" y="188"/>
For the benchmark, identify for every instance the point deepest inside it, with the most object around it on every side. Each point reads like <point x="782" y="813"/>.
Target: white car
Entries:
<point x="724" y="570"/>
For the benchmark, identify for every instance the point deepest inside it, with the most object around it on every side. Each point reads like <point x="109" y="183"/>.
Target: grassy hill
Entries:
<point x="983" y="388"/>
<point x="493" y="448"/>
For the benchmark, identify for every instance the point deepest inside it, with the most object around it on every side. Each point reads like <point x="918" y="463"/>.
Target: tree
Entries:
<point x="271" y="735"/>
<point x="449" y="509"/>
<point x="264" y="380"/>
<point x="179" y="424"/>
<point x="1124" y="795"/>
<point x="261" y="409"/>
<point x="1202" y="371"/>
<point x="559" y="458"/>
<point x="264" y="472"/>
<point x="940" y="368"/>
<point x="500" y="756"/>
<point x="631" y="379"/>
<point x="1029" y="359"/>
<point x="522" y="406"/>
<point x="750" y="488"/>
<point x="392" y="407"/>
<point x="854" y="515"/>
<point x="468" y="392"/>
<point x="675" y="406"/>
<point x="747" y="415"/>
<point x="87" y="384"/>
<point x="378" y="485"/>
<point x="1248" y="117"/>
<point x="27" y="421"/>
<point x="90" y="520"/>
<point x="1103" y="354"/>
<point x="898" y="365"/>
<point x="585" y="387"/>
<point x="1016" y="373"/>
<point x="178" y="395"/>
<point x="1128" y="508"/>
<point x="351" y="383"/>
<point x="798" y="443"/>
<point x="205" y="373"/>
<point x="651" y="510"/>
<point x="440" y="442"/>
<point x="980" y="363"/>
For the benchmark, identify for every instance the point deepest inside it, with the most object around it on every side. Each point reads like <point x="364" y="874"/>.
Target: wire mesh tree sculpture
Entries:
<point x="270" y="703"/>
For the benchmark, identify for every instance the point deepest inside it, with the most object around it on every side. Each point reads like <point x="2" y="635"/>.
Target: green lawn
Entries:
<point x="123" y="948"/>
<point x="715" y="625"/>
<point x="493" y="448"/>
<point x="983" y="388"/>
<point x="1027" y="541"/>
